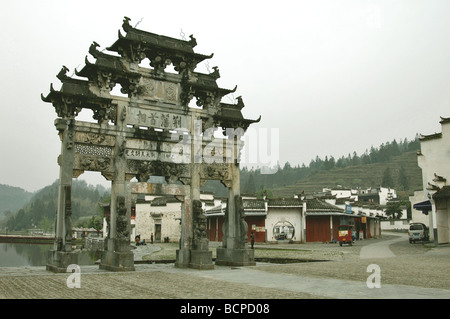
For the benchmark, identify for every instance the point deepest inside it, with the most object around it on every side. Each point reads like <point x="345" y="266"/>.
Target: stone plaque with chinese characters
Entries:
<point x="157" y="119"/>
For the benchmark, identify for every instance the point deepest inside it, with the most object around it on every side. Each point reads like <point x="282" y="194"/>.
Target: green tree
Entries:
<point x="46" y="224"/>
<point x="95" y="222"/>
<point x="264" y="193"/>
<point x="394" y="209"/>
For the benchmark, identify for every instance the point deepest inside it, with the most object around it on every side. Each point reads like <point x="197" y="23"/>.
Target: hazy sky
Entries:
<point x="332" y="76"/>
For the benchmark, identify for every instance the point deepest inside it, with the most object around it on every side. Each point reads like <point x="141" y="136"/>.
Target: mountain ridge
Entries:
<point x="12" y="198"/>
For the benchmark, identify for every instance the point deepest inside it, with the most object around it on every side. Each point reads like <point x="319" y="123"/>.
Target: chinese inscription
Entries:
<point x="157" y="119"/>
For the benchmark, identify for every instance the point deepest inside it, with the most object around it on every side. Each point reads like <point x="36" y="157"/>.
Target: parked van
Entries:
<point x="418" y="232"/>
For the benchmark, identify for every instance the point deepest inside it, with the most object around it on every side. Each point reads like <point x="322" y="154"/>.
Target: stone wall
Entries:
<point x="94" y="244"/>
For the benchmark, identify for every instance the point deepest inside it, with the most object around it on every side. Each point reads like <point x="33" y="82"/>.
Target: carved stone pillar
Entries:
<point x="201" y="256"/>
<point x="62" y="255"/>
<point x="117" y="255"/>
<point x="183" y="254"/>
<point x="235" y="251"/>
<point x="194" y="251"/>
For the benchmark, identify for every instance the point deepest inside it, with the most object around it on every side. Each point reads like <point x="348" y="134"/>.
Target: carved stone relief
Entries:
<point x="242" y="223"/>
<point x="121" y="219"/>
<point x="158" y="90"/>
<point x="94" y="138"/>
<point x="144" y="169"/>
<point x="68" y="215"/>
<point x="216" y="171"/>
<point x="200" y="240"/>
<point x="94" y="163"/>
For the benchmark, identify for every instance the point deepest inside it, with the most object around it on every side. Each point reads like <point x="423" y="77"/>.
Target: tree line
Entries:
<point x="253" y="181"/>
<point x="382" y="154"/>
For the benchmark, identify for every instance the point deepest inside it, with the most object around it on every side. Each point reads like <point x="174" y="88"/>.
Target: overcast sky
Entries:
<point x="332" y="76"/>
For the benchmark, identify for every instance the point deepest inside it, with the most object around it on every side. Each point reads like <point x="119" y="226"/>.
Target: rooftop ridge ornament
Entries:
<point x="62" y="75"/>
<point x="126" y="24"/>
<point x="138" y="44"/>
<point x="93" y="49"/>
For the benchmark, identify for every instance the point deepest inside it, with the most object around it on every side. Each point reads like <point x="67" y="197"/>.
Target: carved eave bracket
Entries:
<point x="67" y="106"/>
<point x="75" y="95"/>
<point x="204" y="88"/>
<point x="230" y="116"/>
<point x="107" y="71"/>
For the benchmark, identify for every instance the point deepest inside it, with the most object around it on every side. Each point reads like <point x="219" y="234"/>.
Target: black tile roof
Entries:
<point x="315" y="205"/>
<point x="290" y="202"/>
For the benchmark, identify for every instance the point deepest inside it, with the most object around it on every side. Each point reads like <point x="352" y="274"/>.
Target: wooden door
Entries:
<point x="318" y="229"/>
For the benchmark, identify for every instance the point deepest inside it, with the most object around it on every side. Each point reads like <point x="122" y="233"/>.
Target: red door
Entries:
<point x="259" y="223"/>
<point x="318" y="228"/>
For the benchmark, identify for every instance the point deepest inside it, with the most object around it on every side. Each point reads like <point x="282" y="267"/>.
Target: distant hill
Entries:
<point x="12" y="198"/>
<point x="40" y="209"/>
<point x="392" y="164"/>
<point x="364" y="175"/>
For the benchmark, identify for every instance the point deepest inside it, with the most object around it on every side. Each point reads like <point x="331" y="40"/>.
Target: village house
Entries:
<point x="379" y="195"/>
<point x="285" y="220"/>
<point x="433" y="158"/>
<point x="299" y="220"/>
<point x="419" y="212"/>
<point x="158" y="218"/>
<point x="351" y="194"/>
<point x="323" y="220"/>
<point x="255" y="211"/>
<point x="292" y="220"/>
<point x="324" y="217"/>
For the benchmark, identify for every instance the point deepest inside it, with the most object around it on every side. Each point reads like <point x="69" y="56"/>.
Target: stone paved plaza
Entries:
<point x="415" y="271"/>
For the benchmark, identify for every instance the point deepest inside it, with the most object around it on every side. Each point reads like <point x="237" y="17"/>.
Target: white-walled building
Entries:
<point x="369" y="217"/>
<point x="379" y="195"/>
<point x="434" y="160"/>
<point x="418" y="216"/>
<point x="351" y="194"/>
<point x="158" y="217"/>
<point x="401" y="224"/>
<point x="284" y="220"/>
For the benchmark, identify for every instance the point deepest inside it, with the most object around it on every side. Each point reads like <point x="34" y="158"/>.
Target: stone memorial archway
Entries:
<point x="151" y="132"/>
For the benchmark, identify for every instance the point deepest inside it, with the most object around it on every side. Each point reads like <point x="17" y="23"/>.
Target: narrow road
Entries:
<point x="381" y="249"/>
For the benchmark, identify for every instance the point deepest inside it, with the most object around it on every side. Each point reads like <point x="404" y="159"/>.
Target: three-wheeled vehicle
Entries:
<point x="346" y="234"/>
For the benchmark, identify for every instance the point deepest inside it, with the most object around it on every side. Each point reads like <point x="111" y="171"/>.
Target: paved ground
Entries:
<point x="412" y="271"/>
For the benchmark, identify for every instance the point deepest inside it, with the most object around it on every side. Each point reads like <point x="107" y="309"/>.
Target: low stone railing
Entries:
<point x="92" y="243"/>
